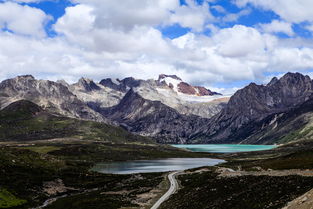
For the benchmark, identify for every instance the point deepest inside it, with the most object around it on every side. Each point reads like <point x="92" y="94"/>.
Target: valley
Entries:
<point x="156" y="104"/>
<point x="52" y="134"/>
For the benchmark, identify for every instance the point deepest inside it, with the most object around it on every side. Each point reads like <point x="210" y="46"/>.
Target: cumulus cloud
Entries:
<point x="102" y="38"/>
<point x="130" y="13"/>
<point x="277" y="26"/>
<point x="289" y="10"/>
<point x="239" y="41"/>
<point x="22" y="19"/>
<point x="192" y="15"/>
<point x="232" y="17"/>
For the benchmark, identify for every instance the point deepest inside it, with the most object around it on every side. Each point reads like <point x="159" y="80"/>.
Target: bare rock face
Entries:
<point x="96" y="95"/>
<point x="249" y="107"/>
<point x="177" y="84"/>
<point x="163" y="76"/>
<point x="87" y="84"/>
<point x="51" y="96"/>
<point x="121" y="85"/>
<point x="152" y="118"/>
<point x="168" y="89"/>
<point x="185" y="88"/>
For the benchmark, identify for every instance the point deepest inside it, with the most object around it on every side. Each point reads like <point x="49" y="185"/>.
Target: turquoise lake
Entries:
<point x="224" y="148"/>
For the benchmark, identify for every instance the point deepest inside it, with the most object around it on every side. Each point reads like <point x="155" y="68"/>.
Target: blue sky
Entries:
<point x="221" y="44"/>
<point x="56" y="8"/>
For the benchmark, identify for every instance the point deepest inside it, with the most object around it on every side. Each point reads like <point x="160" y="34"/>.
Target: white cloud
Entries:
<point x="239" y="41"/>
<point x="225" y="91"/>
<point x="23" y="19"/>
<point x="130" y="13"/>
<point x="277" y="26"/>
<point x="232" y="17"/>
<point x="192" y="15"/>
<point x="295" y="11"/>
<point x="95" y="42"/>
<point x="290" y="59"/>
<point x="219" y="9"/>
<point x="133" y="13"/>
<point x="309" y="27"/>
<point x="131" y="43"/>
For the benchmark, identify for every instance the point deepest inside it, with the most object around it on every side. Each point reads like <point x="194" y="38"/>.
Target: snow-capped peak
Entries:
<point x="179" y="86"/>
<point x="171" y="81"/>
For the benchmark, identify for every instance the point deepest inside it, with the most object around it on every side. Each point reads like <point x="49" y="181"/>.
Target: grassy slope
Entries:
<point x="205" y="190"/>
<point x="24" y="120"/>
<point x="295" y="155"/>
<point x="24" y="170"/>
<point x="28" y="160"/>
<point x="23" y="174"/>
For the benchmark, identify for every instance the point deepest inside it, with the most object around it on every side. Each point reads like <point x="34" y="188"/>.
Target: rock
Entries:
<point x="152" y="118"/>
<point x="303" y="199"/>
<point x="51" y="96"/>
<point x="256" y="109"/>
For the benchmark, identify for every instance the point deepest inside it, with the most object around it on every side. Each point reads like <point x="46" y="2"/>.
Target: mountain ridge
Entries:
<point x="253" y="103"/>
<point x="255" y="114"/>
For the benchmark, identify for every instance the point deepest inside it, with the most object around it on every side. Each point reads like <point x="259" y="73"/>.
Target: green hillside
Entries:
<point x="24" y="121"/>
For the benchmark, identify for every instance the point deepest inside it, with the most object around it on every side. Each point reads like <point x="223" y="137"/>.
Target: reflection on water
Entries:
<point x="148" y="166"/>
<point x="224" y="148"/>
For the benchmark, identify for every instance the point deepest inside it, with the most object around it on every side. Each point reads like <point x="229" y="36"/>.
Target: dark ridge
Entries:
<point x="23" y="106"/>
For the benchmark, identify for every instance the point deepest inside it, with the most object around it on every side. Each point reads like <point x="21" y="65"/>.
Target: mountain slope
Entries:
<point x="52" y="96"/>
<point x="254" y="105"/>
<point x="152" y="118"/>
<point x="284" y="127"/>
<point x="94" y="94"/>
<point x="181" y="96"/>
<point x="23" y="120"/>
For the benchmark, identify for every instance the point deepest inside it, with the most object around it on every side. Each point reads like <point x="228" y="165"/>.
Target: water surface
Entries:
<point x="150" y="166"/>
<point x="224" y="148"/>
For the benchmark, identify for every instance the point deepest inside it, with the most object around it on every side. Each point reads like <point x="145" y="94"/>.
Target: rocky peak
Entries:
<point x="121" y="85"/>
<point x="153" y="118"/>
<point x="63" y="82"/>
<point x="88" y="84"/>
<point x="130" y="82"/>
<point x="178" y="85"/>
<point x="163" y="76"/>
<point x="273" y="81"/>
<point x="52" y="96"/>
<point x="107" y="82"/>
<point x="27" y="77"/>
<point x="255" y="102"/>
<point x="294" y="77"/>
<point x="185" y="88"/>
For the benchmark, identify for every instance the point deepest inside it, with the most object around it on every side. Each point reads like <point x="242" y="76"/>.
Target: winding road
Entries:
<point x="171" y="190"/>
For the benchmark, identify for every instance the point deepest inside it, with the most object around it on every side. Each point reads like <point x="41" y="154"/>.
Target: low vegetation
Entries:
<point x="207" y="190"/>
<point x="44" y="156"/>
<point x="8" y="200"/>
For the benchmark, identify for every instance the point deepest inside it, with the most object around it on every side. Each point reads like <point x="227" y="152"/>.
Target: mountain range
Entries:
<point x="173" y="111"/>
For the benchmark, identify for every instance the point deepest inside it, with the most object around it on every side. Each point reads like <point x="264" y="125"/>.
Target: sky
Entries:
<point x="219" y="44"/>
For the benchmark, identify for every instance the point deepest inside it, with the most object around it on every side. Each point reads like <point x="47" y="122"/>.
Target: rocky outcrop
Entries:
<point x="51" y="96"/>
<point x="152" y="118"/>
<point x="256" y="114"/>
<point x="87" y="85"/>
<point x="249" y="107"/>
<point x="177" y="84"/>
<point x="190" y="100"/>
<point x="96" y="95"/>
<point x="121" y="85"/>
